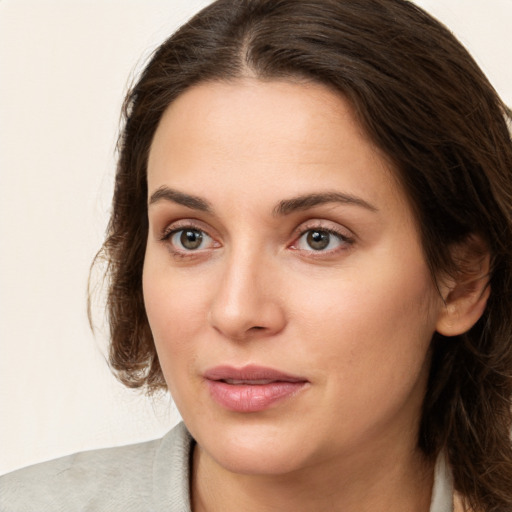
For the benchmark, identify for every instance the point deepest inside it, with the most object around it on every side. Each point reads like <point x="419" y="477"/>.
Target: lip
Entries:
<point x="251" y="388"/>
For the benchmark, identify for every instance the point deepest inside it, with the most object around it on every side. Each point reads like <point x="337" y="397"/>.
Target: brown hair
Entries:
<point x="423" y="100"/>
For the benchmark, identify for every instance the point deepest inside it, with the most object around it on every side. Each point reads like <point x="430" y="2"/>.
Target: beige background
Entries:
<point x="64" y="68"/>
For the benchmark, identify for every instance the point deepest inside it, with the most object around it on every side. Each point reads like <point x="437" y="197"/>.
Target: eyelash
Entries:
<point x="345" y="240"/>
<point x="170" y="231"/>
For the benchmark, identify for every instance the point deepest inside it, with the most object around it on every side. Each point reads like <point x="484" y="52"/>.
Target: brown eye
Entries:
<point x="318" y="240"/>
<point x="191" y="239"/>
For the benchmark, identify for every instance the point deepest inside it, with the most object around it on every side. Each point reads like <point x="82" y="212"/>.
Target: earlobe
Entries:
<point x="466" y="294"/>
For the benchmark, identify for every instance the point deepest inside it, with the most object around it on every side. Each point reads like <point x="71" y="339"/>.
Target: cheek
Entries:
<point x="371" y="353"/>
<point x="373" y="326"/>
<point x="176" y="309"/>
<point x="370" y="300"/>
<point x="172" y="298"/>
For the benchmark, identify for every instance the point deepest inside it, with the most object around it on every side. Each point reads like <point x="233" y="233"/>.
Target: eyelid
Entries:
<point x="166" y="235"/>
<point x="325" y="225"/>
<point x="346" y="236"/>
<point x="178" y="225"/>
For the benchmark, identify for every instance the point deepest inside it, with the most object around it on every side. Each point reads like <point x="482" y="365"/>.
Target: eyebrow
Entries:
<point x="285" y="207"/>
<point x="306" y="201"/>
<point x="168" y="194"/>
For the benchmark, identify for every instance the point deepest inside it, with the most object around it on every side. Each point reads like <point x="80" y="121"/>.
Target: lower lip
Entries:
<point x="252" y="398"/>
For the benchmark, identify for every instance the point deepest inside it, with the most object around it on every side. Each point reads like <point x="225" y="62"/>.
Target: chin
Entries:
<point x="254" y="449"/>
<point x="257" y="459"/>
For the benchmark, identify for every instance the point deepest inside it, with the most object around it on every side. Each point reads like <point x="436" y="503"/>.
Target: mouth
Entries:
<point x="251" y="382"/>
<point x="251" y="388"/>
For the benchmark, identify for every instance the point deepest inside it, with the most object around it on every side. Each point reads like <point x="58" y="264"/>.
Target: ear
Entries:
<point x="466" y="292"/>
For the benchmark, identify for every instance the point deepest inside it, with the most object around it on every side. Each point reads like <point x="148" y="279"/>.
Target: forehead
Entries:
<point x="271" y="138"/>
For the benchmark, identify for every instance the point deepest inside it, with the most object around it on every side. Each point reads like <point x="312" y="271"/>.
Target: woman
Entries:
<point x="310" y="247"/>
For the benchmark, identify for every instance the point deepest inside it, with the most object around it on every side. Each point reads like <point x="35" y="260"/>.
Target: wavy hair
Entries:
<point x="425" y="103"/>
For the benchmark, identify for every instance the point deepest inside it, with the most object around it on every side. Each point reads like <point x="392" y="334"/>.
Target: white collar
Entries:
<point x="442" y="491"/>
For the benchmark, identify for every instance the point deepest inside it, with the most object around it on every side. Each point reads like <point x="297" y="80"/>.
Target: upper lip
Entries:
<point x="250" y="373"/>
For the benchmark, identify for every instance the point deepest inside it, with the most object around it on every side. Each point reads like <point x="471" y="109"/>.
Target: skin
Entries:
<point x="355" y="319"/>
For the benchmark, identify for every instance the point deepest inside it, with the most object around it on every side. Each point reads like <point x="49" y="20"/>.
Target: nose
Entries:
<point x="247" y="302"/>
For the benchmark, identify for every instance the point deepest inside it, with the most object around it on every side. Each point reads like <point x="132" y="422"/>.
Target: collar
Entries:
<point x="442" y="491"/>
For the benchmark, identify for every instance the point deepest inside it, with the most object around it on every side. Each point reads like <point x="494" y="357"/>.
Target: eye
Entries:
<point x="189" y="239"/>
<point x="321" y="240"/>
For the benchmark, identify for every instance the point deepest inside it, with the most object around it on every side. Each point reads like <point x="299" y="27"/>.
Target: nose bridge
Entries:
<point x="246" y="300"/>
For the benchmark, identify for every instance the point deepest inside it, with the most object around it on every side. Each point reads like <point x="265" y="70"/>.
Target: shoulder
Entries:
<point x="127" y="478"/>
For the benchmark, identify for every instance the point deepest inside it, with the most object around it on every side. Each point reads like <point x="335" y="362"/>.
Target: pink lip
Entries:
<point x="251" y="388"/>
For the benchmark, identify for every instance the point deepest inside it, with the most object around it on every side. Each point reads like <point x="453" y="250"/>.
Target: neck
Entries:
<point x="397" y="480"/>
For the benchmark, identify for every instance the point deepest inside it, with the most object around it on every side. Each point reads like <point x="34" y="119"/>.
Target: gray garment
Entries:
<point x="145" y="477"/>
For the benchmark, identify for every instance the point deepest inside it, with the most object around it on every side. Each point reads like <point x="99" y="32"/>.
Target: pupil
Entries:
<point x="318" y="240"/>
<point x="191" y="238"/>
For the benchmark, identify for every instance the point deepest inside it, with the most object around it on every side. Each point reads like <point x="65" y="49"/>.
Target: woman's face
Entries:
<point x="284" y="279"/>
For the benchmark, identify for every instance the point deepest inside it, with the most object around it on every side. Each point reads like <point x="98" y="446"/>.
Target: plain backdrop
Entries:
<point x="65" y="66"/>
